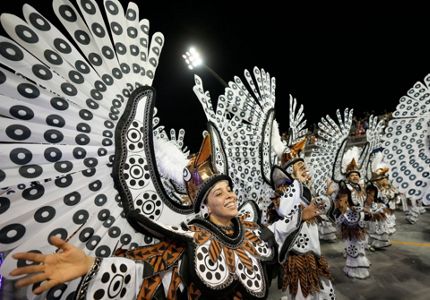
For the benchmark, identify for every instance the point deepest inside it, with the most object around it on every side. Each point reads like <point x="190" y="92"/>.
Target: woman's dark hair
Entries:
<point x="343" y="190"/>
<point x="372" y="188"/>
<point x="206" y="196"/>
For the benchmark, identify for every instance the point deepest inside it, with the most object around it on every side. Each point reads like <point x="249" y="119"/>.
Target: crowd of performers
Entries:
<point x="243" y="254"/>
<point x="98" y="202"/>
<point x="359" y="210"/>
<point x="365" y="212"/>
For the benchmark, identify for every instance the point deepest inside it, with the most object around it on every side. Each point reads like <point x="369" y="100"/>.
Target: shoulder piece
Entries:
<point x="220" y="260"/>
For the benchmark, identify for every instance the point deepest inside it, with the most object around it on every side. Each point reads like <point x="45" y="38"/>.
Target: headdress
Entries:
<point x="379" y="167"/>
<point x="200" y="175"/>
<point x="349" y="161"/>
<point x="290" y="156"/>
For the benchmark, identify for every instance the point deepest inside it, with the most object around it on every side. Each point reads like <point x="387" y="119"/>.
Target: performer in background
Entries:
<point x="378" y="224"/>
<point x="351" y="220"/>
<point x="304" y="271"/>
<point x="326" y="227"/>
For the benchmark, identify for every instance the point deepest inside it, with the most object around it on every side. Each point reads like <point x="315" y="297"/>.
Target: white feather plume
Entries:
<point x="277" y="145"/>
<point x="350" y="154"/>
<point x="171" y="161"/>
<point x="378" y="161"/>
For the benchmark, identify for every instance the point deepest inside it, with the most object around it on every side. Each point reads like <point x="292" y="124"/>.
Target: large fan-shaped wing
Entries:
<point x="326" y="157"/>
<point x="406" y="142"/>
<point x="374" y="141"/>
<point x="297" y="129"/>
<point x="243" y="123"/>
<point x="70" y="109"/>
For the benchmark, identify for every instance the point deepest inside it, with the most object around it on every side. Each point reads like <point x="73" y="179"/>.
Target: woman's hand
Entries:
<point x="67" y="264"/>
<point x="310" y="212"/>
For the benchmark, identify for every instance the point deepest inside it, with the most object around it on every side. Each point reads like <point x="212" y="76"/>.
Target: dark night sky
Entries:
<point x="361" y="57"/>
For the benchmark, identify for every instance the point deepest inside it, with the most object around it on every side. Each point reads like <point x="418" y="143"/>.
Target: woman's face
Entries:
<point x="370" y="197"/>
<point x="222" y="201"/>
<point x="301" y="172"/>
<point x="342" y="201"/>
<point x="384" y="182"/>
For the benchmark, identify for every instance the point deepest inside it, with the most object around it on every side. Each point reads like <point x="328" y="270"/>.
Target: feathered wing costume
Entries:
<point x="71" y="109"/>
<point x="389" y="193"/>
<point x="386" y="193"/>
<point x="245" y="114"/>
<point x="406" y="143"/>
<point x="381" y="220"/>
<point x="326" y="157"/>
<point x="246" y="135"/>
<point x="330" y="145"/>
<point x="84" y="158"/>
<point x="331" y="159"/>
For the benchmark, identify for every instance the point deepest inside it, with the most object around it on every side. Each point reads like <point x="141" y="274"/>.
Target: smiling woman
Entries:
<point x="222" y="204"/>
<point x="220" y="255"/>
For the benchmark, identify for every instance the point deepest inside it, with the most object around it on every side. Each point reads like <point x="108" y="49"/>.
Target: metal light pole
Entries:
<point x="194" y="60"/>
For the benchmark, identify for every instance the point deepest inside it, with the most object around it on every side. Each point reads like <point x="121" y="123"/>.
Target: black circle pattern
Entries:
<point x="88" y="6"/>
<point x="111" y="7"/>
<point x="53" y="57"/>
<point x="214" y="273"/>
<point x="30" y="171"/>
<point x="2" y="77"/>
<point x="21" y="112"/>
<point x="100" y="200"/>
<point x="62" y="46"/>
<point x="4" y="204"/>
<point x="63" y="166"/>
<point x="80" y="217"/>
<point x="56" y="292"/>
<point x="11" y="233"/>
<point x="59" y="103"/>
<point x="55" y="120"/>
<point x="59" y="118"/>
<point x="67" y="13"/>
<point x="34" y="192"/>
<point x="20" y="156"/>
<point x="116" y="281"/>
<point x="60" y="232"/>
<point x="52" y="154"/>
<point x="72" y="198"/>
<point x="18" y="132"/>
<point x="86" y="234"/>
<point x="53" y="136"/>
<point x="302" y="241"/>
<point x="42" y="72"/>
<point x="26" y="34"/>
<point x="28" y="90"/>
<point x="11" y="51"/>
<point x="98" y="30"/>
<point x="82" y="37"/>
<point x="82" y="67"/>
<point x="44" y="214"/>
<point x="103" y="251"/>
<point x="39" y="22"/>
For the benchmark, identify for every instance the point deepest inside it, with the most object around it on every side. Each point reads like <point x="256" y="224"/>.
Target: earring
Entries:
<point x="204" y="211"/>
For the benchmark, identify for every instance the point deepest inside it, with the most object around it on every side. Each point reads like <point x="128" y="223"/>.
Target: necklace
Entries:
<point x="225" y="228"/>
